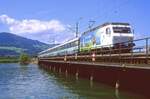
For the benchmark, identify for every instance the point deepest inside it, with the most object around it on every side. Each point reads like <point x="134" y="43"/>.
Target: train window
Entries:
<point x="72" y="44"/>
<point x="108" y="31"/>
<point x="121" y="30"/>
<point x="61" y="48"/>
<point x="66" y="45"/>
<point x="76" y="43"/>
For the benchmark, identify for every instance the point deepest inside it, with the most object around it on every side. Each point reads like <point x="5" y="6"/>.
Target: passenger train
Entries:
<point x="108" y="35"/>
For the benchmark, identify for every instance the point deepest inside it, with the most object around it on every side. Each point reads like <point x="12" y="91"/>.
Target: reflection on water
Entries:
<point x="86" y="89"/>
<point x="30" y="82"/>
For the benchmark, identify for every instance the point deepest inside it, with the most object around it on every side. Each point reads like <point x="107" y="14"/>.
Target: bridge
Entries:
<point x="118" y="67"/>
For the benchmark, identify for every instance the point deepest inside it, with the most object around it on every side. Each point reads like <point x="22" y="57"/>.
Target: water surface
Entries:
<point x="31" y="82"/>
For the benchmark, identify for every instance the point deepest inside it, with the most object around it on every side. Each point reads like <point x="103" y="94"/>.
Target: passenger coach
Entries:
<point x="67" y="48"/>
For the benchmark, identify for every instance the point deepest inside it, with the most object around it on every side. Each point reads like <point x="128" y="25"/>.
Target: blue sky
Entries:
<point x="48" y="20"/>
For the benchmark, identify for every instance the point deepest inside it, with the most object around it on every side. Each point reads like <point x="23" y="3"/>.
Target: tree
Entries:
<point x="24" y="58"/>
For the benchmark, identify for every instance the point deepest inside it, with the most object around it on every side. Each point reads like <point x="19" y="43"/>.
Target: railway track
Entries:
<point x="128" y="58"/>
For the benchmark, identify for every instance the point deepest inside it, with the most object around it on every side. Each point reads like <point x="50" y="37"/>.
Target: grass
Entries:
<point x="9" y="60"/>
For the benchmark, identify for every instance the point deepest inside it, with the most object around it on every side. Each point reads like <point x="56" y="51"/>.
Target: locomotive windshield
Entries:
<point x="121" y="30"/>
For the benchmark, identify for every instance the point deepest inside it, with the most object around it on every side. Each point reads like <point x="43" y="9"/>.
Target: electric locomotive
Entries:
<point x="106" y="36"/>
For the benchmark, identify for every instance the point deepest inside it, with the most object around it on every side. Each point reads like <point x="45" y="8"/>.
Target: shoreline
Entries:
<point x="8" y="60"/>
<point x="16" y="60"/>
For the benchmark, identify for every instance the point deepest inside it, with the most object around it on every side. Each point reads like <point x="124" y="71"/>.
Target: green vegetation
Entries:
<point x="24" y="58"/>
<point x="9" y="60"/>
<point x="17" y="50"/>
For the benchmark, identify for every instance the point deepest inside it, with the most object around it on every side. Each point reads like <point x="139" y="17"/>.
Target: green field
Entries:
<point x="9" y="60"/>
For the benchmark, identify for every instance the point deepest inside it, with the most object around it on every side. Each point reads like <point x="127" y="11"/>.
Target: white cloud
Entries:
<point x="44" y="31"/>
<point x="31" y="25"/>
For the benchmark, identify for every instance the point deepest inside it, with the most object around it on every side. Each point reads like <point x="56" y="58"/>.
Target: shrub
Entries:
<point x="24" y="58"/>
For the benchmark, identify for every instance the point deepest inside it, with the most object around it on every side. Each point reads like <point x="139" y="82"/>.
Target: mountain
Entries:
<point x="13" y="45"/>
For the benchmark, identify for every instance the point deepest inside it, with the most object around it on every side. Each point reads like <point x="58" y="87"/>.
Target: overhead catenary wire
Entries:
<point x="78" y="29"/>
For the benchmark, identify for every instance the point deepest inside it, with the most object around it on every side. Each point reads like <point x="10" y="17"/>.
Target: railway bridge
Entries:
<point x="122" y="70"/>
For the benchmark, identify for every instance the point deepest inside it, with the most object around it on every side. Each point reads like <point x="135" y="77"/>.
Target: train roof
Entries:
<point x="64" y="43"/>
<point x="105" y="24"/>
<point x="114" y="23"/>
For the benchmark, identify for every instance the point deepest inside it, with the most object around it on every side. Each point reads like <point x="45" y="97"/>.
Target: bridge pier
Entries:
<point x="59" y="69"/>
<point x="77" y="75"/>
<point x="66" y="73"/>
<point x="91" y="78"/>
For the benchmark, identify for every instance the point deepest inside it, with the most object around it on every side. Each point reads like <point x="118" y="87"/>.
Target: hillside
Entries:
<point x="12" y="45"/>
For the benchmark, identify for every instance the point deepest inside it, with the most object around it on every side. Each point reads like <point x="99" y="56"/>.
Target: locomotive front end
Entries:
<point x="123" y="36"/>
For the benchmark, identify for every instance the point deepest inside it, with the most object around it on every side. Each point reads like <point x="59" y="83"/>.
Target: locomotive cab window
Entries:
<point x="121" y="30"/>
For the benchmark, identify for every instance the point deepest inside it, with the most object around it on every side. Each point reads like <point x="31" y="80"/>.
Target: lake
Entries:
<point x="31" y="82"/>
